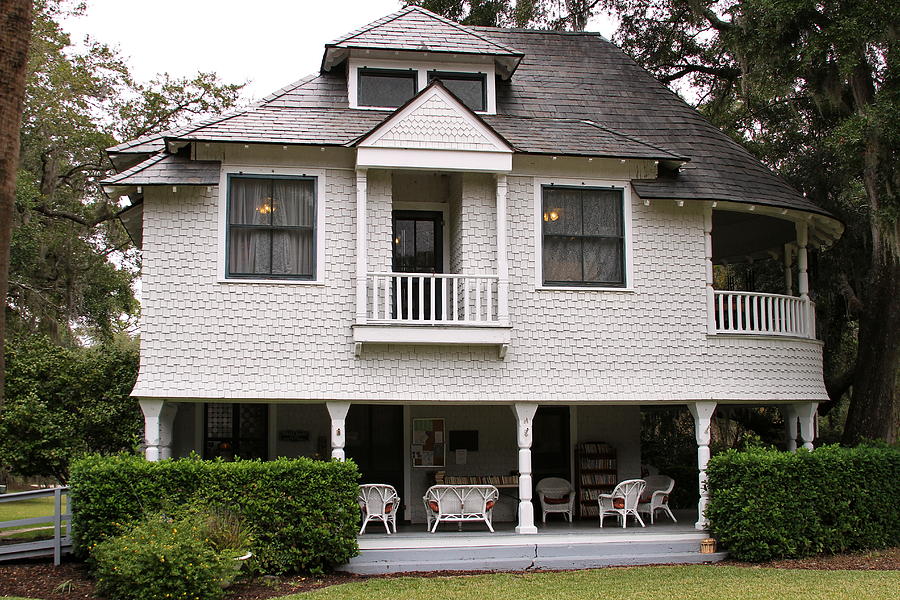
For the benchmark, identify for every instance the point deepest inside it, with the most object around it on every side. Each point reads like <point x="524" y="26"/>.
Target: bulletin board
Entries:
<point x="428" y="443"/>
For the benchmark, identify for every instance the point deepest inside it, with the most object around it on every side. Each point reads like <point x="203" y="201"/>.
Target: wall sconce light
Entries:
<point x="551" y="216"/>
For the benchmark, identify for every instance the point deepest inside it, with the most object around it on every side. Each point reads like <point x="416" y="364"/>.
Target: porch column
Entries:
<point x="361" y="258"/>
<point x="807" y="414"/>
<point x="502" y="258"/>
<point x="524" y="433"/>
<point x="338" y="413"/>
<point x="159" y="416"/>
<point x="790" y="426"/>
<point x="788" y="270"/>
<point x="803" y="277"/>
<point x="710" y="292"/>
<point x="702" y="413"/>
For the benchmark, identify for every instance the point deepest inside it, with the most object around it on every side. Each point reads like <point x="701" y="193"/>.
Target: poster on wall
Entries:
<point x="428" y="443"/>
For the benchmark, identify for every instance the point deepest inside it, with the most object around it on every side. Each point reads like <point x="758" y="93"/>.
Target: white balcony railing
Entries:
<point x="764" y="314"/>
<point x="432" y="299"/>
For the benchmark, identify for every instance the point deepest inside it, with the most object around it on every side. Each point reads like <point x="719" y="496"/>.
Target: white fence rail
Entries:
<point x="763" y="314"/>
<point x="432" y="298"/>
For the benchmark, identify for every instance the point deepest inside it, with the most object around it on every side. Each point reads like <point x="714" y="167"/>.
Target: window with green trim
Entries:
<point x="583" y="236"/>
<point x="271" y="227"/>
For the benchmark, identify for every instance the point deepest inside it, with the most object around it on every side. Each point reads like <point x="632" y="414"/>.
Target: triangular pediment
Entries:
<point x="435" y="120"/>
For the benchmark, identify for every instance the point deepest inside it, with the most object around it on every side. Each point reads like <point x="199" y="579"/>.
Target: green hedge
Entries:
<point x="766" y="504"/>
<point x="303" y="512"/>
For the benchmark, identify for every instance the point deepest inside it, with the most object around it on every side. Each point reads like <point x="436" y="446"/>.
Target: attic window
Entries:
<point x="471" y="88"/>
<point x="387" y="88"/>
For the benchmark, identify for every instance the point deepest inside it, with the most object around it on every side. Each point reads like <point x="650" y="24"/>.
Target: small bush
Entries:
<point x="302" y="512"/>
<point x="766" y="504"/>
<point x="162" y="558"/>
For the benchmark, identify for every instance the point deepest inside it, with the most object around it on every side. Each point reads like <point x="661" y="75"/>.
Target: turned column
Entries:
<point x="807" y="414"/>
<point x="524" y="435"/>
<point x="159" y="416"/>
<point x="702" y="413"/>
<point x="338" y="413"/>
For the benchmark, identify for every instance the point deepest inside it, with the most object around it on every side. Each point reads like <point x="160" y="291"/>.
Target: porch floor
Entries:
<point x="556" y="545"/>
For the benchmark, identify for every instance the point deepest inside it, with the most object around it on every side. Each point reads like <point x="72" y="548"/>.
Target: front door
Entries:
<point x="375" y="443"/>
<point x="418" y="248"/>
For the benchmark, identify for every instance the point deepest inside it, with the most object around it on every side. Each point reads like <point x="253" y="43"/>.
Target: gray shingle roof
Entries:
<point x="414" y="28"/>
<point x="583" y="76"/>
<point x="168" y="169"/>
<point x="564" y="80"/>
<point x="144" y="144"/>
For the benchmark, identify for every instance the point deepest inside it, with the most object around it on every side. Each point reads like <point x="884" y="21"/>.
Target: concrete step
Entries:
<point x="520" y="557"/>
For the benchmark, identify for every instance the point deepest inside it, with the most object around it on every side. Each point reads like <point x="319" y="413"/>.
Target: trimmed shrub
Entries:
<point x="303" y="512"/>
<point x="766" y="504"/>
<point x="162" y="558"/>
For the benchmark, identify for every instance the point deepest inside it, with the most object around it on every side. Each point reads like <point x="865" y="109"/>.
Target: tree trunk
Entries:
<point x="873" y="412"/>
<point x="15" y="34"/>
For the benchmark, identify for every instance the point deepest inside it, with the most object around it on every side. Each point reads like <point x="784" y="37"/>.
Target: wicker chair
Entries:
<point x="378" y="502"/>
<point x="656" y="496"/>
<point x="623" y="501"/>
<point x="556" y="496"/>
<point x="460" y="504"/>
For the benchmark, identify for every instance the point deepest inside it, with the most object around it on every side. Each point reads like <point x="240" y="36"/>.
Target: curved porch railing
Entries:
<point x="433" y="298"/>
<point x="764" y="314"/>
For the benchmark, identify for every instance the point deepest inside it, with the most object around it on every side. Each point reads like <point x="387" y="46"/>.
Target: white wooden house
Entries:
<point x="499" y="241"/>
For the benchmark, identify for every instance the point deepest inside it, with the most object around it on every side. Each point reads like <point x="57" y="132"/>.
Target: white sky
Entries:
<point x="268" y="43"/>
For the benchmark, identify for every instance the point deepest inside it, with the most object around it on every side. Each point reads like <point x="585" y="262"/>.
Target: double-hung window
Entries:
<point x="583" y="236"/>
<point x="271" y="227"/>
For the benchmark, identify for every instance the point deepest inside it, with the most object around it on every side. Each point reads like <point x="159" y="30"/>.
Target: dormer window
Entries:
<point x="471" y="88"/>
<point x="388" y="88"/>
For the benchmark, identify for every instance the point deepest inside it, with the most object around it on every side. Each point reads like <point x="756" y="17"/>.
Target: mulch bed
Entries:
<point x="38" y="579"/>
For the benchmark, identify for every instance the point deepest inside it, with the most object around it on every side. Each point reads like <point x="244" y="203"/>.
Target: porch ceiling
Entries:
<point x="739" y="235"/>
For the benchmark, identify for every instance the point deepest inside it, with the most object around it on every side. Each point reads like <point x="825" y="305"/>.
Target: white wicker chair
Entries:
<point x="623" y="501"/>
<point x="656" y="496"/>
<point x="460" y="504"/>
<point x="556" y="496"/>
<point x="378" y="502"/>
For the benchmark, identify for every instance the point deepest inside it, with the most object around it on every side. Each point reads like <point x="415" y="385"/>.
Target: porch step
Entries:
<point x="523" y="556"/>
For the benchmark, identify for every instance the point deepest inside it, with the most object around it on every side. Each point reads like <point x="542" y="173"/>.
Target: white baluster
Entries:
<point x="387" y="285"/>
<point x="421" y="315"/>
<point x="374" y="297"/>
<point x="466" y="312"/>
<point x="721" y="320"/>
<point x="490" y="299"/>
<point x="409" y="297"/>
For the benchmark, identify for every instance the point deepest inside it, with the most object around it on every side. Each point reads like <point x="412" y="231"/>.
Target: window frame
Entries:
<point x="463" y="76"/>
<point x="235" y="440"/>
<point x="410" y="73"/>
<point x="321" y="205"/>
<point x="627" y="271"/>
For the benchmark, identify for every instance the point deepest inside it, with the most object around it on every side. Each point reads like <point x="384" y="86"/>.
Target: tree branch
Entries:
<point x="102" y="217"/>
<point x="711" y="17"/>
<point x="729" y="73"/>
<point x="836" y="387"/>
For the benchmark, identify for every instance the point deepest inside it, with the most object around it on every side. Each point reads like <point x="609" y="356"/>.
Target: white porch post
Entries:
<point x="524" y="434"/>
<point x="361" y="258"/>
<point x="502" y="258"/>
<point x="702" y="413"/>
<point x="710" y="293"/>
<point x="159" y="416"/>
<point x="803" y="277"/>
<point x="338" y="413"/>
<point x="790" y="426"/>
<point x="807" y="414"/>
<point x="788" y="271"/>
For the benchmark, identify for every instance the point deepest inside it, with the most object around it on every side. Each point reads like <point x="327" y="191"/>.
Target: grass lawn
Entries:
<point x="636" y="583"/>
<point x="26" y="509"/>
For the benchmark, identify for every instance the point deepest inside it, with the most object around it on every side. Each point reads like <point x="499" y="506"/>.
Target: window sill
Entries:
<point x="579" y="288"/>
<point x="389" y="109"/>
<point x="310" y="282"/>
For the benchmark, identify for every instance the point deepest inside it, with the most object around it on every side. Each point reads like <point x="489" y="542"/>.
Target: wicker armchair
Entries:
<point x="378" y="502"/>
<point x="556" y="496"/>
<point x="656" y="496"/>
<point x="460" y="504"/>
<point x="623" y="501"/>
